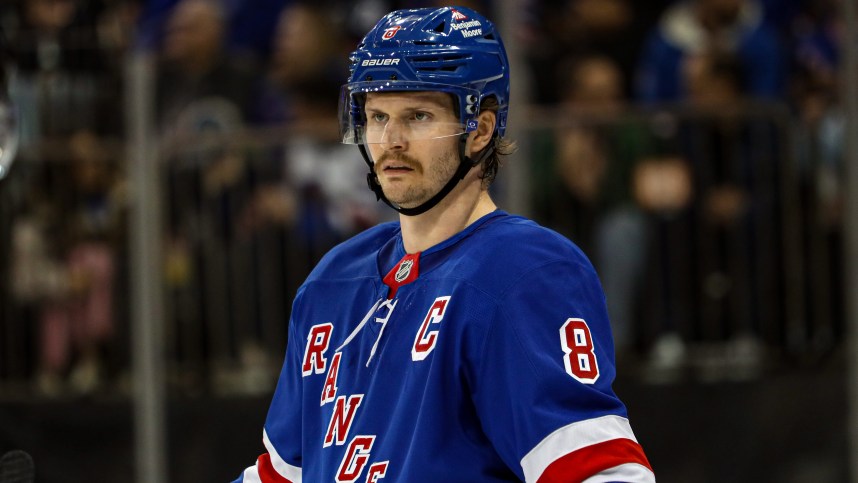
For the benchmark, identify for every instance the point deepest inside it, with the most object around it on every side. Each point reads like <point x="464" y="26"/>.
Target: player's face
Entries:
<point x="415" y="152"/>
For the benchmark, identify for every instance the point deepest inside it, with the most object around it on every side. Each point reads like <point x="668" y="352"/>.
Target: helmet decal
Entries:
<point x="390" y="32"/>
<point x="457" y="15"/>
<point x="468" y="28"/>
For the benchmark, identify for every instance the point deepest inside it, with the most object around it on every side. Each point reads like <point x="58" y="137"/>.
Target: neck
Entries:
<point x="453" y="214"/>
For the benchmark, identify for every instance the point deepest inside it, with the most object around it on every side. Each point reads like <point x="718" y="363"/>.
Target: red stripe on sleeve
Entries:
<point x="588" y="461"/>
<point x="266" y="470"/>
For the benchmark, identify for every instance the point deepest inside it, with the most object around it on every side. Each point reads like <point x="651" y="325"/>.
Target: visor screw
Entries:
<point x="392" y="76"/>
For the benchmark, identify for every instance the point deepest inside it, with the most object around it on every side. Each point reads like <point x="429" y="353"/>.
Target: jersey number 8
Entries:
<point x="577" y="343"/>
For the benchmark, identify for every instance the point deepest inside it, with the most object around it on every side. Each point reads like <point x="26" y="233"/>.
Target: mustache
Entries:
<point x="400" y="158"/>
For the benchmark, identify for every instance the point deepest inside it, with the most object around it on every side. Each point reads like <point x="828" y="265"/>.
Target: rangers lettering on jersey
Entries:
<point x="355" y="459"/>
<point x="318" y="340"/>
<point x="329" y="392"/>
<point x="342" y="419"/>
<point x="377" y="471"/>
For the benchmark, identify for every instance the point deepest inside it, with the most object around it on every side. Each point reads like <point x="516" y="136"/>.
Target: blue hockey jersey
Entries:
<point x="485" y="358"/>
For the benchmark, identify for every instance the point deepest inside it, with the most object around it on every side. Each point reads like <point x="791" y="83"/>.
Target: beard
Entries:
<point x="412" y="194"/>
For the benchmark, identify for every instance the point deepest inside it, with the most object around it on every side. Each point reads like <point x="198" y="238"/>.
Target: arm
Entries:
<point x="543" y="390"/>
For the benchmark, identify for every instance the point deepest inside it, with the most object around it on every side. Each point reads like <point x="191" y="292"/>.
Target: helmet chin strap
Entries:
<point x="465" y="165"/>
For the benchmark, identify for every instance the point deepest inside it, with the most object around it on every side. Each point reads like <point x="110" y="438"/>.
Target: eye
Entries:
<point x="378" y="117"/>
<point x="422" y="116"/>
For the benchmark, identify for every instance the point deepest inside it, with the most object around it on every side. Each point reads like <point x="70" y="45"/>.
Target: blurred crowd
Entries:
<point x="678" y="142"/>
<point x="694" y="152"/>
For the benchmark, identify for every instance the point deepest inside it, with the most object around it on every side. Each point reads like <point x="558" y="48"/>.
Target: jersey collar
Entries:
<point x="392" y="254"/>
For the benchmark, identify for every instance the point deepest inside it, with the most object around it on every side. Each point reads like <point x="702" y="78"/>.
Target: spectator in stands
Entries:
<point x="249" y="29"/>
<point x="332" y="201"/>
<point x="204" y="101"/>
<point x="731" y="153"/>
<point x="692" y="27"/>
<point x="816" y="94"/>
<point x="581" y="152"/>
<point x="64" y="263"/>
<point x="197" y="77"/>
<point x="587" y="191"/>
<point x="66" y="96"/>
<point x="551" y="32"/>
<point x="60" y="86"/>
<point x="301" y="28"/>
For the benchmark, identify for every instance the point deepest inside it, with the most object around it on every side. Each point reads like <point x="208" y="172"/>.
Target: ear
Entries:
<point x="481" y="138"/>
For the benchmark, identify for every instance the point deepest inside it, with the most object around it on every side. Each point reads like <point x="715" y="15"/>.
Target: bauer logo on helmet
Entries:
<point x="370" y="62"/>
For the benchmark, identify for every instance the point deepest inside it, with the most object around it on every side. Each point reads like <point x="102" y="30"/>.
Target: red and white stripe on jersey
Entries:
<point x="270" y="467"/>
<point x="589" y="450"/>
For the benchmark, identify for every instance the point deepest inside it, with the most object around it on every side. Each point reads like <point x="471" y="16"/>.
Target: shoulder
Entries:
<point x="528" y="239"/>
<point x="355" y="257"/>
<point x="511" y="248"/>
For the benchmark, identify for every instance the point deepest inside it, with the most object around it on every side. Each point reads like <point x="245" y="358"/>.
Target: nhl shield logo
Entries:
<point x="404" y="270"/>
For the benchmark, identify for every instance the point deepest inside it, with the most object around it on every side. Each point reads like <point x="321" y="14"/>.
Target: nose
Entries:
<point x="394" y="136"/>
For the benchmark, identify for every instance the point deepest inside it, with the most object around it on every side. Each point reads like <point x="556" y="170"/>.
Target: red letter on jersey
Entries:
<point x="341" y="419"/>
<point x="577" y="343"/>
<point x="424" y="343"/>
<point x="355" y="458"/>
<point x="317" y="343"/>
<point x="329" y="392"/>
<point x="376" y="472"/>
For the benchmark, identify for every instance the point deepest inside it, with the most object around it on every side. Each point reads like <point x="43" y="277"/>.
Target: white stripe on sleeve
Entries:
<point x="291" y="473"/>
<point x="572" y="438"/>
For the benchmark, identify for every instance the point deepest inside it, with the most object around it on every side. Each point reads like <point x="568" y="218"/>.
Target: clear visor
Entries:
<point x="8" y="135"/>
<point x="431" y="113"/>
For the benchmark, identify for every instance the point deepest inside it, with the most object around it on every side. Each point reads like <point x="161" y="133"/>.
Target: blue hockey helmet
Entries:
<point x="451" y="49"/>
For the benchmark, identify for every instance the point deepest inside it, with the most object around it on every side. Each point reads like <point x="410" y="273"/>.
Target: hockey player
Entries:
<point x="461" y="344"/>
